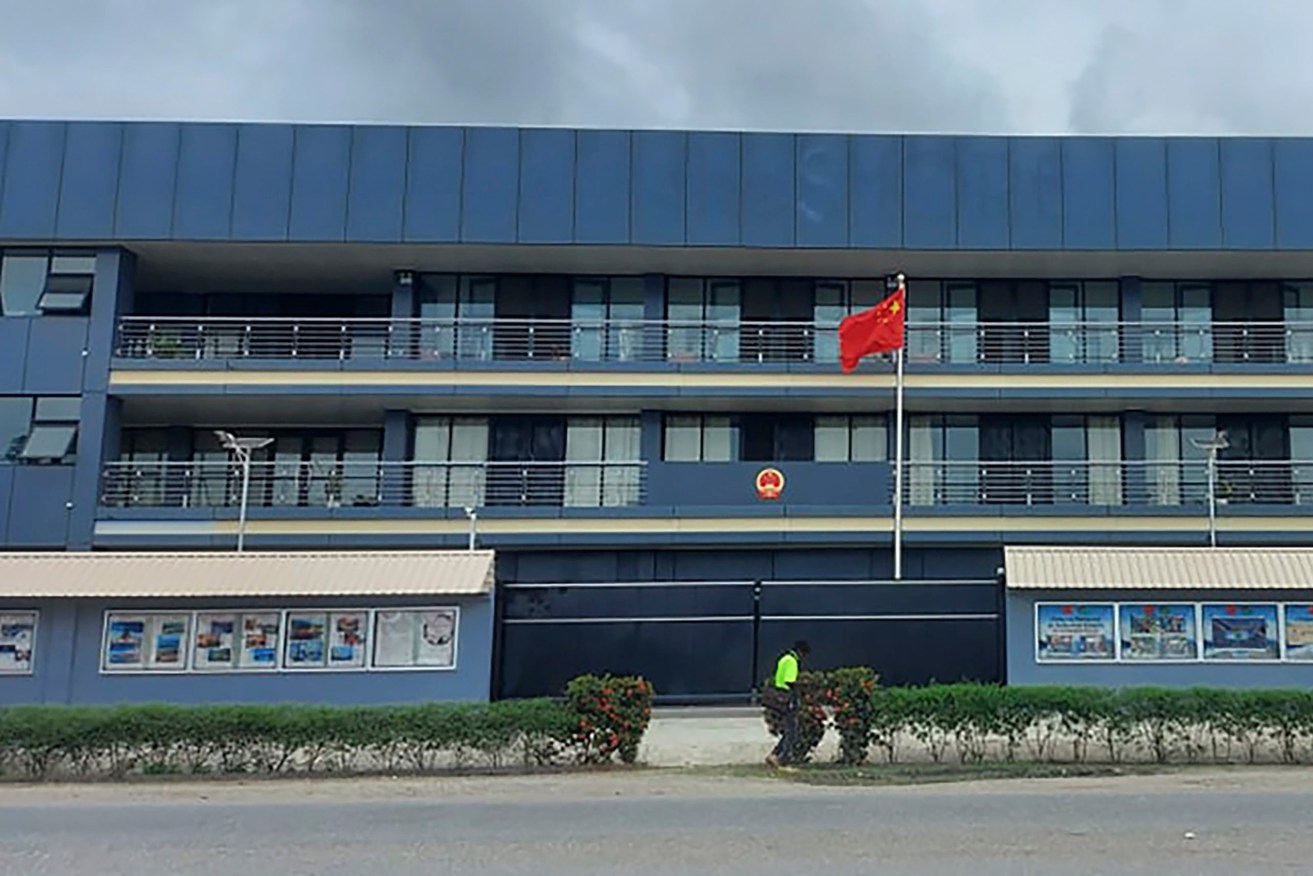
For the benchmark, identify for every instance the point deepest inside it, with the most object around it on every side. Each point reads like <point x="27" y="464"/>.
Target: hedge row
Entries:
<point x="979" y="722"/>
<point x="111" y="742"/>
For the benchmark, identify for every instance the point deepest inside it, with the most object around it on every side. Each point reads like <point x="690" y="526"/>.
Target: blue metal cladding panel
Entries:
<point x="1194" y="193"/>
<point x="1141" y="193"/>
<point x="54" y="355"/>
<point x="769" y="198"/>
<point x="714" y="175"/>
<point x="929" y="193"/>
<point x="822" y="187"/>
<point x="1035" y="192"/>
<point x="90" y="181"/>
<point x="433" y="177"/>
<point x="33" y="162"/>
<point x="1294" y="193"/>
<point x="601" y="187"/>
<point x="1248" y="214"/>
<point x="376" y="202"/>
<point x="147" y="180"/>
<point x="982" y="193"/>
<point x="547" y="168"/>
<point x="1088" y="199"/>
<point x="660" y="170"/>
<point x="321" y="167"/>
<point x="13" y="353"/>
<point x="42" y="492"/>
<point x="491" y="185"/>
<point x="207" y="158"/>
<point x="262" y="185"/>
<point x="6" y="495"/>
<point x="875" y="186"/>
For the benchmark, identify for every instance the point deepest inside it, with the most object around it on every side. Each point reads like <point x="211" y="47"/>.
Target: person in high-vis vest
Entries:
<point x="783" y="698"/>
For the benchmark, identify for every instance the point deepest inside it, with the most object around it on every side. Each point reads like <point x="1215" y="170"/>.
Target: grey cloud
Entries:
<point x="884" y="65"/>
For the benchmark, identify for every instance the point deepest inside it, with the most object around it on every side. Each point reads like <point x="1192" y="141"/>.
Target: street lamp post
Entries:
<point x="241" y="449"/>
<point x="1212" y="445"/>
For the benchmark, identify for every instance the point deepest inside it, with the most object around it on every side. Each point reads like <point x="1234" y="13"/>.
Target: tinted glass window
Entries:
<point x="60" y="407"/>
<point x="15" y="418"/>
<point x="50" y="442"/>
<point x="22" y="280"/>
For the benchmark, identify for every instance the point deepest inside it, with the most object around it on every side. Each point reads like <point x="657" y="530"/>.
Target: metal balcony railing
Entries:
<point x="374" y="484"/>
<point x="674" y="341"/>
<point x="1144" y="484"/>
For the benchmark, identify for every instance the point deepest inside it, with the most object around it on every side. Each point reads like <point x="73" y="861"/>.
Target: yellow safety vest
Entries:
<point x="786" y="670"/>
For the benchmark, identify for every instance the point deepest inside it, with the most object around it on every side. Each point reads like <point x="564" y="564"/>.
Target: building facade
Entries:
<point x="580" y="349"/>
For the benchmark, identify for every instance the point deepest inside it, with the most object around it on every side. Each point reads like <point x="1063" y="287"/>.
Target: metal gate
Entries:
<point x="715" y="640"/>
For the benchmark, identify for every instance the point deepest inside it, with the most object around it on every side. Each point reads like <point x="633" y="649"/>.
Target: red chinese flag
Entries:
<point x="878" y="330"/>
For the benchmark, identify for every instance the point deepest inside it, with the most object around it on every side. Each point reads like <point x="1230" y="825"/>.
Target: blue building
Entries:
<point x="579" y="349"/>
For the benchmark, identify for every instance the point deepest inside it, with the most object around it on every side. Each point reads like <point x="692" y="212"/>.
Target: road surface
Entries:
<point x="1225" y="822"/>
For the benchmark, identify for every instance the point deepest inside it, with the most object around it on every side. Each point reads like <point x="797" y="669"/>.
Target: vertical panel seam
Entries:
<point x="405" y="180"/>
<point x="1167" y="191"/>
<point x="118" y="180"/>
<point x="177" y="175"/>
<point x="59" y="183"/>
<point x="631" y="138"/>
<point x="1272" y="176"/>
<point x="738" y="195"/>
<point x="1007" y="192"/>
<point x="232" y="185"/>
<point x="687" y="140"/>
<point x="848" y="182"/>
<point x="518" y="236"/>
<point x="460" y="184"/>
<point x="291" y="183"/>
<point x="797" y="144"/>
<point x="1223" y="237"/>
<point x="574" y="186"/>
<point x="1062" y="196"/>
<point x="291" y="172"/>
<point x="350" y="175"/>
<point x="1116" y="213"/>
<point x="4" y="175"/>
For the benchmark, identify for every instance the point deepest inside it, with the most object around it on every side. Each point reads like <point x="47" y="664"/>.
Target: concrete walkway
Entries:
<point x="708" y="736"/>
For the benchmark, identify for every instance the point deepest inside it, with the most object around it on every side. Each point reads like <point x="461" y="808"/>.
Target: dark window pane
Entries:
<point x="22" y="280"/>
<point x="49" y="442"/>
<point x="59" y="408"/>
<point x="15" y="419"/>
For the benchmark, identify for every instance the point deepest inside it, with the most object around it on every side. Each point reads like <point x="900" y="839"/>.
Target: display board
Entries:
<point x="17" y="642"/>
<point x="1074" y="631"/>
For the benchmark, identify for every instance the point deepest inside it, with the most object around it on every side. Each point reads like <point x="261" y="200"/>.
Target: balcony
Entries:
<point x="1163" y="485"/>
<point x="475" y="342"/>
<point x="198" y="485"/>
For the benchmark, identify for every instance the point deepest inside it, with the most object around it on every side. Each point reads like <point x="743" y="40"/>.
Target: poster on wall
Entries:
<point x="1074" y="631"/>
<point x="1240" y="632"/>
<point x="1299" y="632"/>
<point x="415" y="637"/>
<point x="346" y="643"/>
<point x="125" y="642"/>
<point x="306" y="632"/>
<point x="260" y="634"/>
<point x="169" y="641"/>
<point x="214" y="641"/>
<point x="17" y="642"/>
<point x="1158" y="632"/>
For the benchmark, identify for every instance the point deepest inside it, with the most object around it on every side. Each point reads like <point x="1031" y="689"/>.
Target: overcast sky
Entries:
<point x="1000" y="66"/>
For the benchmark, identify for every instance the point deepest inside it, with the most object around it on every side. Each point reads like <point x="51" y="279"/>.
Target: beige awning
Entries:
<point x="1141" y="568"/>
<point x="252" y="573"/>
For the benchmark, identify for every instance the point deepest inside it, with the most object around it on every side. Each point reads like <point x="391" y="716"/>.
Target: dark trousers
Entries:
<point x="786" y="749"/>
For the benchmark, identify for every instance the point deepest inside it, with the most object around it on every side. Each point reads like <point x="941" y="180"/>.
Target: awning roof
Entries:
<point x="1144" y="568"/>
<point x="251" y="573"/>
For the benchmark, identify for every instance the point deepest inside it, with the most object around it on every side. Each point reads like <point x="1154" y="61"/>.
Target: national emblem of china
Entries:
<point x="770" y="483"/>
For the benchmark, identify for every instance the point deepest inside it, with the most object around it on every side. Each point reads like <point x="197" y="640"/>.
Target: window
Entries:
<point x="17" y="642"/>
<point x="415" y="638"/>
<point x="1177" y="322"/>
<point x="834" y="300"/>
<point x="456" y="314"/>
<point x="38" y="430"/>
<point x="851" y="439"/>
<point x="700" y="439"/>
<point x="777" y="438"/>
<point x="595" y="450"/>
<point x="703" y="320"/>
<point x="34" y="283"/>
<point x="942" y="322"/>
<point x="606" y="315"/>
<point x="1083" y="322"/>
<point x="1299" y="321"/>
<point x="449" y="454"/>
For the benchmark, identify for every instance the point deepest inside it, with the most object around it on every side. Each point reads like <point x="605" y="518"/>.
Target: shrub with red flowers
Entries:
<point x="610" y="715"/>
<point x="812" y="701"/>
<point x="849" y="695"/>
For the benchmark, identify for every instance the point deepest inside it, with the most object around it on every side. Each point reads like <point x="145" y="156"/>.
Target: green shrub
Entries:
<point x="111" y="742"/>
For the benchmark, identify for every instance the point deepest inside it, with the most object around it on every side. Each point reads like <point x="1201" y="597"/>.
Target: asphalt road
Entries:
<point x="1240" y="822"/>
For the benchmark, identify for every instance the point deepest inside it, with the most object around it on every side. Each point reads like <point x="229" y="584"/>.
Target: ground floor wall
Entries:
<point x="94" y="652"/>
<point x="1122" y="638"/>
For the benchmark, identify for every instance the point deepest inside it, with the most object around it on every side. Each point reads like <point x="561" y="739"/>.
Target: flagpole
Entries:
<point x="898" y="448"/>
